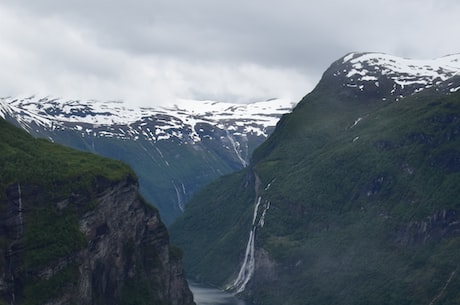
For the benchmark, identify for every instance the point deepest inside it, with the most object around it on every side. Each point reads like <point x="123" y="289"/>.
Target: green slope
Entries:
<point x="39" y="232"/>
<point x="364" y="213"/>
<point x="29" y="160"/>
<point x="169" y="172"/>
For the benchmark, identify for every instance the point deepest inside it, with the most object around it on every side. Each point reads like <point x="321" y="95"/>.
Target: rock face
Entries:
<point x="120" y="231"/>
<point x="442" y="224"/>
<point x="126" y="257"/>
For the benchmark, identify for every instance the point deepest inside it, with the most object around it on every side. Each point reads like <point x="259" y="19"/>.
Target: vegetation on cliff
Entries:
<point x="58" y="169"/>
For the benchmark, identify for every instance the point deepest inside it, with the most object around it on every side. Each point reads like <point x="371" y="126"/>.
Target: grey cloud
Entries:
<point x="129" y="45"/>
<point x="274" y="32"/>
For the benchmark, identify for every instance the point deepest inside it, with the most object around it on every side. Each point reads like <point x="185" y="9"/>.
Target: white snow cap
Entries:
<point x="409" y="76"/>
<point x="184" y="115"/>
<point x="405" y="71"/>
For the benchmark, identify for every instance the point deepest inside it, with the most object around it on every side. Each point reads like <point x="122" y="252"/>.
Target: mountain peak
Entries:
<point x="391" y="77"/>
<point x="363" y="64"/>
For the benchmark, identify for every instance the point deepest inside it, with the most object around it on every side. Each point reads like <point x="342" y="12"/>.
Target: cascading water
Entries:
<point x="180" y="196"/>
<point x="12" y="253"/>
<point x="20" y="224"/>
<point x="248" y="267"/>
<point x="235" y="147"/>
<point x="262" y="218"/>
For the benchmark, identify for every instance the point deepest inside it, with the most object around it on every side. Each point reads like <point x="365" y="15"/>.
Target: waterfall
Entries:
<point x="440" y="294"/>
<point x="11" y="273"/>
<point x="249" y="263"/>
<point x="235" y="147"/>
<point x="19" y="224"/>
<point x="161" y="155"/>
<point x="20" y="228"/>
<point x="248" y="267"/>
<point x="180" y="200"/>
<point x="262" y="218"/>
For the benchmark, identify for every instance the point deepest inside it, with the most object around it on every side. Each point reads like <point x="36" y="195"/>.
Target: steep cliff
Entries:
<point x="74" y="230"/>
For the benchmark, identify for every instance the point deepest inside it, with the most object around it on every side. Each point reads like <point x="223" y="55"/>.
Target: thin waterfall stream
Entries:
<point x="248" y="266"/>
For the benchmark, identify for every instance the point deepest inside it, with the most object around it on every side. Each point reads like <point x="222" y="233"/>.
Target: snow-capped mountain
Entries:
<point x="181" y="121"/>
<point x="392" y="78"/>
<point x="173" y="149"/>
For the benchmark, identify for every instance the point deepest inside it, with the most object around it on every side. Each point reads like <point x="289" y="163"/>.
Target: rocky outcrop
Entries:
<point x="126" y="257"/>
<point x="125" y="234"/>
<point x="442" y="224"/>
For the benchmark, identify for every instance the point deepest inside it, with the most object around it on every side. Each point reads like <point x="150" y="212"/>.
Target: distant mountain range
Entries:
<point x="174" y="150"/>
<point x="353" y="199"/>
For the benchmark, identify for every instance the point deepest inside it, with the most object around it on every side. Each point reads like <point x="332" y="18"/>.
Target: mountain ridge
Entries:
<point x="400" y="77"/>
<point x="185" y="115"/>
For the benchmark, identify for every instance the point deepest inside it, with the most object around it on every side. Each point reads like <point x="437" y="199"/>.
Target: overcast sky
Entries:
<point x="150" y="52"/>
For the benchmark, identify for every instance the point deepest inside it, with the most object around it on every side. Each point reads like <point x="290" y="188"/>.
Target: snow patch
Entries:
<point x="348" y="57"/>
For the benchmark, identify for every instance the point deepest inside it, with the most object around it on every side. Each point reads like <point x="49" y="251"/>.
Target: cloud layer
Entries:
<point x="152" y="52"/>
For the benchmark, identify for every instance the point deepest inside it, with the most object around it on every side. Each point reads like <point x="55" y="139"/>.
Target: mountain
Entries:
<point x="74" y="230"/>
<point x="353" y="199"/>
<point x="174" y="150"/>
